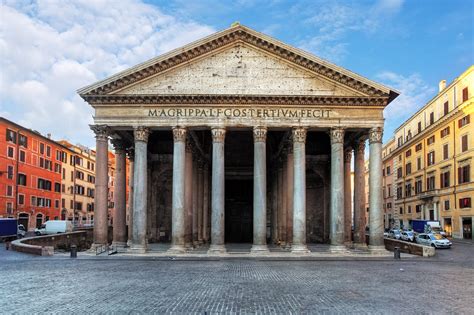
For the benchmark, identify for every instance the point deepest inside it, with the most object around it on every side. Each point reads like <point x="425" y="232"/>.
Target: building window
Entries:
<point x="22" y="156"/>
<point x="408" y="153"/>
<point x="41" y="148"/>
<point x="430" y="183"/>
<point x="11" y="136"/>
<point x="9" y="191"/>
<point x="399" y="172"/>
<point x="418" y="163"/>
<point x="401" y="210"/>
<point x="10" y="172"/>
<point x="418" y="147"/>
<point x="388" y="170"/>
<point x="10" y="152"/>
<point x="23" y="141"/>
<point x="465" y="94"/>
<point x="33" y="200"/>
<point x="464" y="143"/>
<point x="389" y="190"/>
<point x="445" y="151"/>
<point x="408" y="190"/>
<point x="56" y="203"/>
<point x="418" y="186"/>
<point x="464" y="121"/>
<point x="21" y="179"/>
<point x="431" y="118"/>
<point x="431" y="158"/>
<point x="419" y="126"/>
<point x="430" y="140"/>
<point x="408" y="169"/>
<point x="63" y="203"/>
<point x="21" y="199"/>
<point x="399" y="192"/>
<point x="409" y="209"/>
<point x="78" y="206"/>
<point x="9" y="208"/>
<point x="446" y="205"/>
<point x="418" y="208"/>
<point x="57" y="187"/>
<point x="444" y="132"/>
<point x="445" y="179"/>
<point x="44" y="184"/>
<point x="400" y="141"/>
<point x="408" y="135"/>
<point x="464" y="203"/>
<point x="464" y="174"/>
<point x="48" y="151"/>
<point x="446" y="107"/>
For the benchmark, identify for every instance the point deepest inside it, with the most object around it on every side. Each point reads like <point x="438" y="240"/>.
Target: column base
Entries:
<point x="176" y="249"/>
<point x="259" y="249"/>
<point x="119" y="246"/>
<point x="360" y="246"/>
<point x="216" y="250"/>
<point x="129" y="243"/>
<point x="94" y="247"/>
<point x="288" y="245"/>
<point x="299" y="249"/>
<point x="137" y="249"/>
<point x="188" y="246"/>
<point x="282" y="244"/>
<point x="337" y="249"/>
<point x="379" y="250"/>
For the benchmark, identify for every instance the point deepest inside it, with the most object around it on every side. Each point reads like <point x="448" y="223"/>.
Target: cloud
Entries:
<point x="334" y="20"/>
<point x="49" y="49"/>
<point x="414" y="93"/>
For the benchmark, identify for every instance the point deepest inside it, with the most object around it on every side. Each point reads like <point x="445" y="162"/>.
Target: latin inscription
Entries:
<point x="239" y="113"/>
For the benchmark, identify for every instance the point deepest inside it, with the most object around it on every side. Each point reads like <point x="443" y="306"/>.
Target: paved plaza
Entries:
<point x="58" y="284"/>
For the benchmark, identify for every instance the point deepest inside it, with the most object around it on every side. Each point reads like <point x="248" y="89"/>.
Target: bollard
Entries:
<point x="73" y="251"/>
<point x="396" y="253"/>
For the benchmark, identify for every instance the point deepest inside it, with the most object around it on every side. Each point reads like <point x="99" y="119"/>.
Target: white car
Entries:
<point x="54" y="227"/>
<point x="394" y="233"/>
<point x="21" y="231"/>
<point x="434" y="240"/>
<point x="408" y="236"/>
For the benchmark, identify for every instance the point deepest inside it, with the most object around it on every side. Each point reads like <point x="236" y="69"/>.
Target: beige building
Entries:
<point x="391" y="217"/>
<point x="432" y="158"/>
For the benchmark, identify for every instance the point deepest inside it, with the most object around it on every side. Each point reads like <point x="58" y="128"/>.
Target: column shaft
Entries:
<point x="120" y="197"/>
<point x="359" y="194"/>
<point x="195" y="202"/>
<point x="289" y="196"/>
<point x="259" y="191"/>
<point x="299" y="192"/>
<point x="376" y="241"/>
<point x="188" y="197"/>
<point x="347" y="196"/>
<point x="200" y="200"/>
<point x="140" y="184"/>
<point x="218" y="192"/>
<point x="336" y="213"/>
<point x="205" y="206"/>
<point x="274" y="218"/>
<point x="280" y="212"/>
<point x="284" y="203"/>
<point x="101" y="186"/>
<point x="178" y="191"/>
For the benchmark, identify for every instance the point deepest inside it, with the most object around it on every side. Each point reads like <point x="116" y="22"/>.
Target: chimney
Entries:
<point x="49" y="136"/>
<point x="442" y="85"/>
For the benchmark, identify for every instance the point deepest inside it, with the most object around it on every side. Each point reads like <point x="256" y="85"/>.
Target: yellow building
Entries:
<point x="433" y="152"/>
<point x="391" y="218"/>
<point x="78" y="184"/>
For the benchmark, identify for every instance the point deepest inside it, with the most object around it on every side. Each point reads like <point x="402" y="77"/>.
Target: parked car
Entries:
<point x="434" y="240"/>
<point x="21" y="231"/>
<point x="385" y="233"/>
<point x="54" y="227"/>
<point x="394" y="233"/>
<point x="408" y="236"/>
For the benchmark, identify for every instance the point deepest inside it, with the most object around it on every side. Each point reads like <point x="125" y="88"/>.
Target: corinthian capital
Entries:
<point x="259" y="134"/>
<point x="218" y="134"/>
<point x="375" y="135"/>
<point x="299" y="135"/>
<point x="141" y="133"/>
<point x="359" y="146"/>
<point x="337" y="135"/>
<point x="179" y="134"/>
<point x="119" y="145"/>
<point x="348" y="155"/>
<point x="101" y="131"/>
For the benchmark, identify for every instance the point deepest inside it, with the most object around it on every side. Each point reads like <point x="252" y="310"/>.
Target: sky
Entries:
<point x="49" y="49"/>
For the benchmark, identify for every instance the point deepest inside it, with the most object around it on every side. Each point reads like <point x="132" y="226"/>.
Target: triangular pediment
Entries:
<point x="239" y="69"/>
<point x="238" y="61"/>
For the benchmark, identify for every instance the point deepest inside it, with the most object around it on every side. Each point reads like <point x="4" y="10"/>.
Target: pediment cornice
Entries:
<point x="237" y="100"/>
<point x="233" y="35"/>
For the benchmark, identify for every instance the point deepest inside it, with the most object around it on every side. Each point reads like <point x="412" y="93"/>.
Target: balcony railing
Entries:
<point x="429" y="194"/>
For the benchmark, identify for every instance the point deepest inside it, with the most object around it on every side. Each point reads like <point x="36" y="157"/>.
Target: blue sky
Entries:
<point x="49" y="49"/>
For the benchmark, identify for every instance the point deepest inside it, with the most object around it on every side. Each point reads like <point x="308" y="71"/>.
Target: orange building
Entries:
<point x="30" y="175"/>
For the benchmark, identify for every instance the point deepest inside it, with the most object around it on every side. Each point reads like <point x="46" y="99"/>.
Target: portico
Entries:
<point x="240" y="137"/>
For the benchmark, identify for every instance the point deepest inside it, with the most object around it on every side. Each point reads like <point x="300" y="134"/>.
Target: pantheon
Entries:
<point x="239" y="138"/>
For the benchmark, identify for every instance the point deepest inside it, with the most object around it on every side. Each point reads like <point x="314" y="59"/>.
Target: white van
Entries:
<point x="54" y="227"/>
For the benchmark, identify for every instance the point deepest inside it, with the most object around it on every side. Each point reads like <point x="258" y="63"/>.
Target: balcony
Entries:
<point x="428" y="194"/>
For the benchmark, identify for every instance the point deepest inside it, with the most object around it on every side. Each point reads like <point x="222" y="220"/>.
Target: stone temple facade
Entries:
<point x="239" y="138"/>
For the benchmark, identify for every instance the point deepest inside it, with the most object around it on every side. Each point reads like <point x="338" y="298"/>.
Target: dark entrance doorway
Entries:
<point x="238" y="211"/>
<point x="467" y="228"/>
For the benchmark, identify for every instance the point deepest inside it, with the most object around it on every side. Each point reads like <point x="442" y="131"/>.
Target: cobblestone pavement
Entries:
<point x="443" y="284"/>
